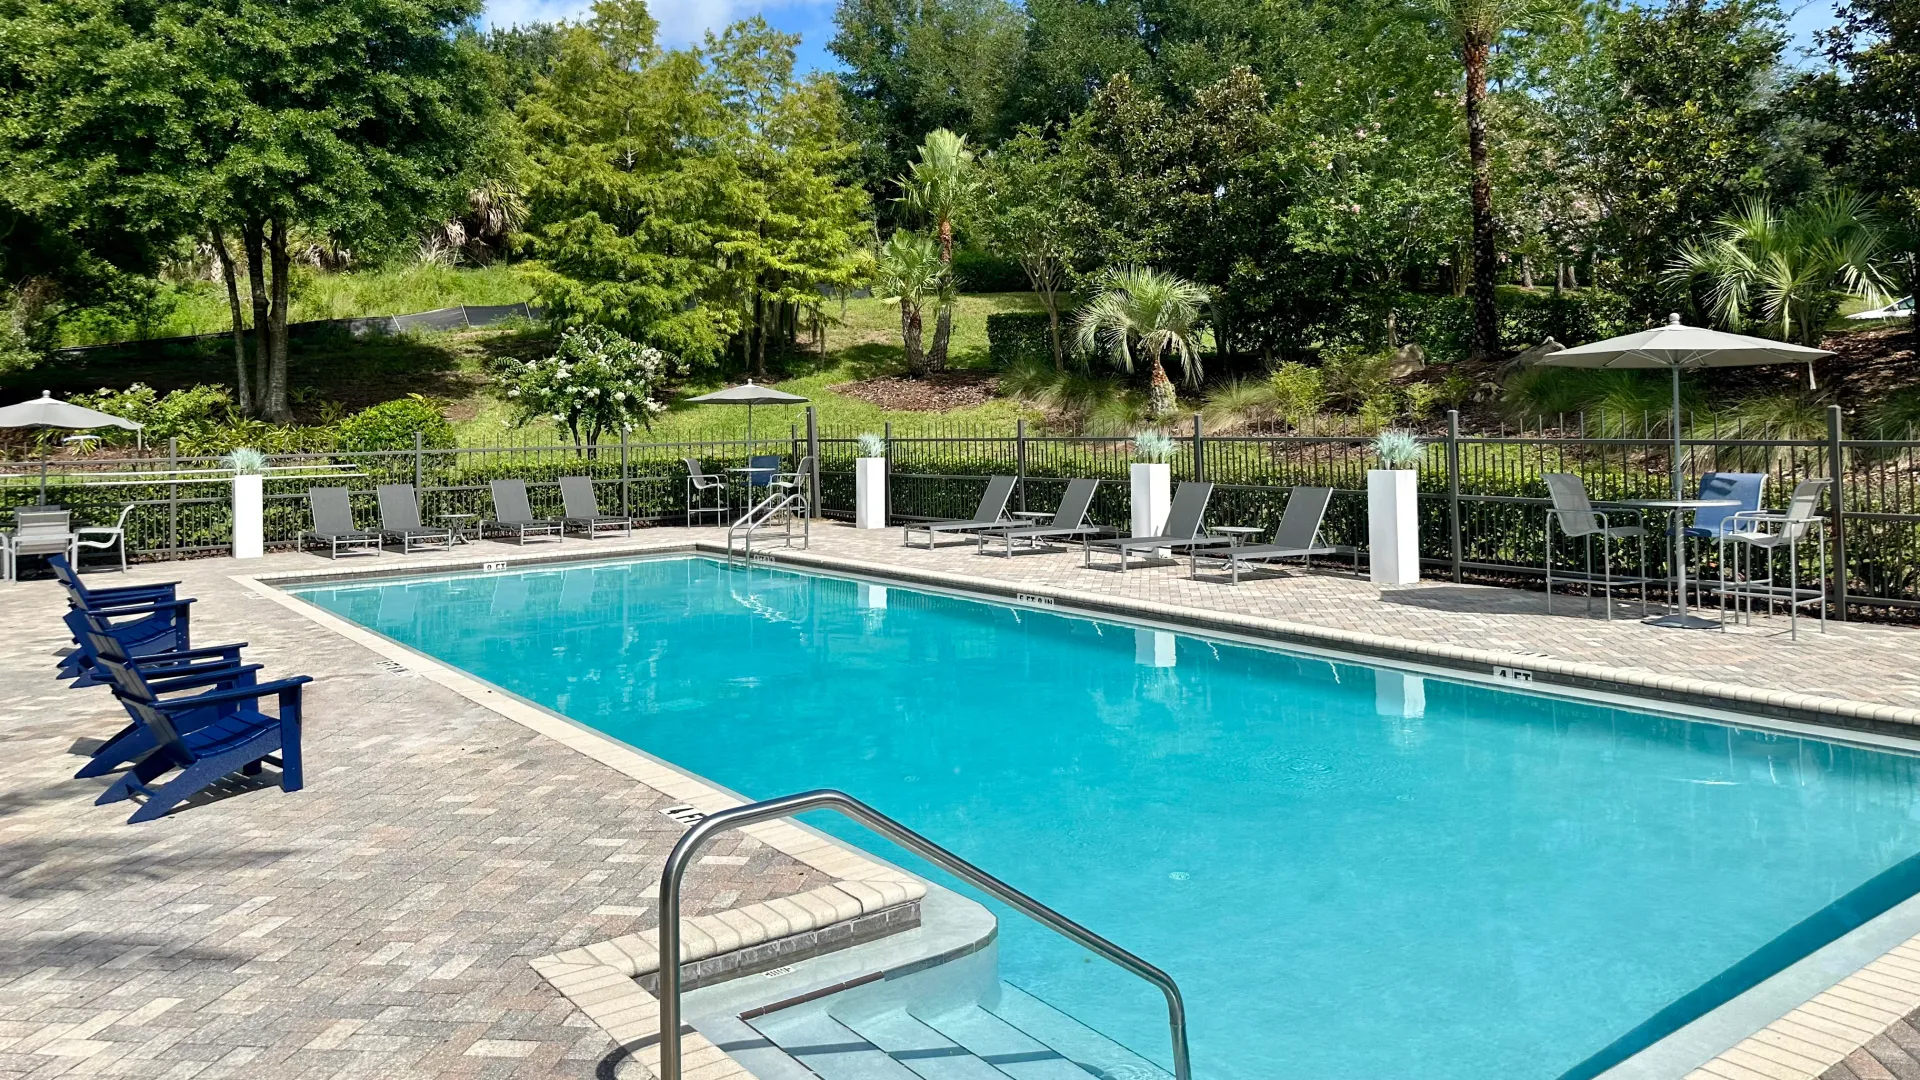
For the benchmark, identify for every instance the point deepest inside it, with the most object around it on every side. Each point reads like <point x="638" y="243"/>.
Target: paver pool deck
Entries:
<point x="385" y="920"/>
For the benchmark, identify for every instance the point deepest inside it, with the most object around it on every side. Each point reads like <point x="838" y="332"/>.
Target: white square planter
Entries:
<point x="1149" y="497"/>
<point x="870" y="493"/>
<point x="249" y="521"/>
<point x="1393" y="526"/>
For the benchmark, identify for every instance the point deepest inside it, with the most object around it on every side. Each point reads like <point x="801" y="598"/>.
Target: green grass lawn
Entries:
<point x="184" y="309"/>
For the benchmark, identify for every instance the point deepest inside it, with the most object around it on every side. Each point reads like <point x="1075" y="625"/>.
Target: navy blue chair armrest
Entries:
<point x="201" y="677"/>
<point x="142" y="609"/>
<point x="246" y="693"/>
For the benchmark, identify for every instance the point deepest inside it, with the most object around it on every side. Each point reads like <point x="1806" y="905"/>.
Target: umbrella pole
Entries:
<point x="43" y="481"/>
<point x="1676" y="433"/>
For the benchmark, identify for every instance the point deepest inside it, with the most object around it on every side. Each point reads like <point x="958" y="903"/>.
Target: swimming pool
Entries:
<point x="1351" y="869"/>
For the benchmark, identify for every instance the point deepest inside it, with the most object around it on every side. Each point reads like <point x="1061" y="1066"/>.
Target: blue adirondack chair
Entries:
<point x="213" y="668"/>
<point x="82" y="596"/>
<point x="238" y="739"/>
<point x="141" y="629"/>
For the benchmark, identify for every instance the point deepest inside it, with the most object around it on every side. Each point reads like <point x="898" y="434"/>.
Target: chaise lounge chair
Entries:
<point x="1297" y="537"/>
<point x="333" y="523"/>
<point x="582" y="508"/>
<point x="1182" y="530"/>
<point x="991" y="513"/>
<point x="513" y="514"/>
<point x="239" y="738"/>
<point x="400" y="520"/>
<point x="1069" y="521"/>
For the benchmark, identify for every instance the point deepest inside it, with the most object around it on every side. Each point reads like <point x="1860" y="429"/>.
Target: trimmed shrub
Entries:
<point x="1014" y="336"/>
<point x="390" y="426"/>
<point x="976" y="271"/>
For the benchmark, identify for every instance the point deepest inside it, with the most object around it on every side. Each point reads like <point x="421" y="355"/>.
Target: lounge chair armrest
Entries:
<point x="282" y="687"/>
<point x="108" y="593"/>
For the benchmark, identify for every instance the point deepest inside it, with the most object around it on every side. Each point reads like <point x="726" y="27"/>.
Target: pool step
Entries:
<point x="1020" y="1038"/>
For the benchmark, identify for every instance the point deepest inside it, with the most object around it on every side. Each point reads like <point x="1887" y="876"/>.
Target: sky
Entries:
<point x="684" y="22"/>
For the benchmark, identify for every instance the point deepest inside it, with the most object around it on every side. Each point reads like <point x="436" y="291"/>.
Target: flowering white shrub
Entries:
<point x="597" y="383"/>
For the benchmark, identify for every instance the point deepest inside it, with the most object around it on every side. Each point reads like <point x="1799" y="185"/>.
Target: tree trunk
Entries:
<point x="943" y="325"/>
<point x="910" y="339"/>
<point x="273" y="400"/>
<point x="1162" y="402"/>
<point x="1486" y="319"/>
<point x="242" y="389"/>
<point x="254" y="236"/>
<point x="942" y="330"/>
<point x="1526" y="272"/>
<point x="760" y="341"/>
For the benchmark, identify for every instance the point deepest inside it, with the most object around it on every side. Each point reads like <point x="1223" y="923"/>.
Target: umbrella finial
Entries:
<point x="45" y="394"/>
<point x="1673" y="318"/>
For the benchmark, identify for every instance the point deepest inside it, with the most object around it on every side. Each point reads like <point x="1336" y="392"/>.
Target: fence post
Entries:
<point x="1020" y="458"/>
<point x="816" y="502"/>
<point x="1453" y="490"/>
<point x="887" y="434"/>
<point x="625" y="511"/>
<point x="1837" y="463"/>
<point x="419" y="452"/>
<point x="1199" y="451"/>
<point x="173" y="496"/>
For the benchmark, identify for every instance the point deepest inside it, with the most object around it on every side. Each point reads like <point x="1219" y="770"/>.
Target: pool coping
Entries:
<point x="1826" y="1034"/>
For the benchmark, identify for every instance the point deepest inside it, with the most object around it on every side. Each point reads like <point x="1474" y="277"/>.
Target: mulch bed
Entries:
<point x="934" y="393"/>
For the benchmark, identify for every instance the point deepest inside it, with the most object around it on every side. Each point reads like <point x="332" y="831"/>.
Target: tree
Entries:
<point x="1874" y="113"/>
<point x="913" y="66"/>
<point x="941" y="186"/>
<point x="1476" y="26"/>
<point x="596" y="383"/>
<point x="1785" y="269"/>
<point x="1158" y="314"/>
<point x="690" y="199"/>
<point x="1682" y="136"/>
<point x="1026" y="186"/>
<point x="355" y="121"/>
<point x="911" y="275"/>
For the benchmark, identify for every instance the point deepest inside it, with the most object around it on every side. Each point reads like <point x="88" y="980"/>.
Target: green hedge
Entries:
<point x="1443" y="325"/>
<point x="1014" y="336"/>
<point x="976" y="271"/>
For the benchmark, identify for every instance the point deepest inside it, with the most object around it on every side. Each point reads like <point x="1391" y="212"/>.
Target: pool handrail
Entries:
<point x="848" y="806"/>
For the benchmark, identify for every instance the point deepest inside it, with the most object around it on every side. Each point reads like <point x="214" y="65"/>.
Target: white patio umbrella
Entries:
<point x="46" y="411"/>
<point x="1678" y="347"/>
<point x="749" y="395"/>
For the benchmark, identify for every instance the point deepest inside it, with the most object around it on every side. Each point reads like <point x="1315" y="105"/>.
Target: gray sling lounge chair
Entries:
<point x="400" y="520"/>
<point x="1297" y="537"/>
<point x="513" y="515"/>
<point x="333" y="524"/>
<point x="1069" y="521"/>
<point x="1182" y="530"/>
<point x="991" y="512"/>
<point x="582" y="509"/>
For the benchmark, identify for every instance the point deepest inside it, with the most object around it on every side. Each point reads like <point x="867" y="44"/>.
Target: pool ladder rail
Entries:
<point x="787" y="499"/>
<point x="847" y="806"/>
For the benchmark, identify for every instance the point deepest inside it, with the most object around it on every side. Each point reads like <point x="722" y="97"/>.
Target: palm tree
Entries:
<point x="939" y="187"/>
<point x="909" y="273"/>
<point x="1141" y="308"/>
<point x="1785" y="271"/>
<point x="1475" y="25"/>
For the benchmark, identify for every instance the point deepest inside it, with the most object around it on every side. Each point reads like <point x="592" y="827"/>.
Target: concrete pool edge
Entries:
<point x="1812" y="1037"/>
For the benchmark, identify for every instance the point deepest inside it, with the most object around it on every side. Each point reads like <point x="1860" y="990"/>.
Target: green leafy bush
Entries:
<point x="390" y="425"/>
<point x="976" y="271"/>
<point x="186" y="414"/>
<point x="1443" y="325"/>
<point x="1299" y="392"/>
<point x="597" y="382"/>
<point x="1015" y="336"/>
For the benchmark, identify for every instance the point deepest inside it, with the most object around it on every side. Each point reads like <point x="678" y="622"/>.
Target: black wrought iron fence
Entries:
<point x="1482" y="497"/>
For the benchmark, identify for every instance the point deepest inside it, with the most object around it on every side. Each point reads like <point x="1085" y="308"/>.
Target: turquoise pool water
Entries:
<point x="1351" y="870"/>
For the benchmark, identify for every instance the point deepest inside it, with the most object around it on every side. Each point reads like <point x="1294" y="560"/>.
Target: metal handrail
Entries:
<point x="827" y="799"/>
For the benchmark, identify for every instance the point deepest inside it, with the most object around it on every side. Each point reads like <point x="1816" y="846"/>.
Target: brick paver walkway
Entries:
<point x="380" y="922"/>
<point x="1872" y="663"/>
<point x="377" y="924"/>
